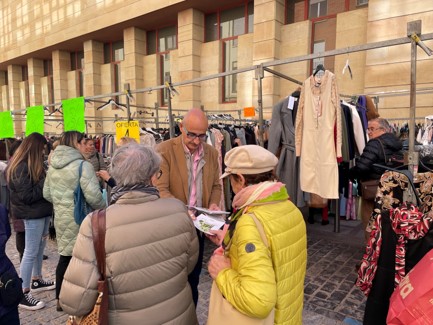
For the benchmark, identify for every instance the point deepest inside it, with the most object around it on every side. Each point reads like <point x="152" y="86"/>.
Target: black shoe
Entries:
<point x="30" y="303"/>
<point x="325" y="222"/>
<point x="42" y="285"/>
<point x="45" y="257"/>
<point x="310" y="219"/>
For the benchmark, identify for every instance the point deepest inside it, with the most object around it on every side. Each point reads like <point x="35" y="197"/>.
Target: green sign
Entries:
<point x="35" y="120"/>
<point x="6" y="125"/>
<point x="73" y="114"/>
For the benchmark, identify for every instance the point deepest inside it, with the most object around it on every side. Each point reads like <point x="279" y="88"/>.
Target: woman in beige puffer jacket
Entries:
<point x="151" y="246"/>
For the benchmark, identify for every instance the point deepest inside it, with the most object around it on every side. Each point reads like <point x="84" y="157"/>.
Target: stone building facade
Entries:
<point x="54" y="50"/>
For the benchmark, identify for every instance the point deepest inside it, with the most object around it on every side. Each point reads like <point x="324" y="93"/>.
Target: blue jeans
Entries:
<point x="36" y="238"/>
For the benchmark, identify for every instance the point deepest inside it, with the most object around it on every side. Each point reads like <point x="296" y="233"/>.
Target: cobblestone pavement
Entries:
<point x="330" y="295"/>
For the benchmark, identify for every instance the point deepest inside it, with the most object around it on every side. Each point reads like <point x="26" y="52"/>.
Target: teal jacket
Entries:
<point x="60" y="183"/>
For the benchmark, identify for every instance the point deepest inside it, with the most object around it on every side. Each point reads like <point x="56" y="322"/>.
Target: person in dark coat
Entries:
<point x="382" y="145"/>
<point x="25" y="177"/>
<point x="8" y="314"/>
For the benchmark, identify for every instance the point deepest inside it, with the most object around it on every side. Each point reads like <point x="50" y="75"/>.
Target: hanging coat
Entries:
<point x="318" y="136"/>
<point x="282" y="134"/>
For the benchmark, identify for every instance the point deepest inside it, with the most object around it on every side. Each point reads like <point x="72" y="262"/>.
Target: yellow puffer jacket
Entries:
<point x="259" y="281"/>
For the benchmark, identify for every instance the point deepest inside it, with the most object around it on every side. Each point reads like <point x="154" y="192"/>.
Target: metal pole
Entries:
<point x="413" y="28"/>
<point x="170" y="115"/>
<point x="259" y="77"/>
<point x="128" y="110"/>
<point x="157" y="115"/>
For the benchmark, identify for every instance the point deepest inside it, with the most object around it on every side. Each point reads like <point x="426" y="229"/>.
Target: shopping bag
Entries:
<point x="412" y="301"/>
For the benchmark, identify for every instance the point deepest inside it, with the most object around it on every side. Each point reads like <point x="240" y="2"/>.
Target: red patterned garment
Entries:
<point x="409" y="224"/>
<point x="368" y="267"/>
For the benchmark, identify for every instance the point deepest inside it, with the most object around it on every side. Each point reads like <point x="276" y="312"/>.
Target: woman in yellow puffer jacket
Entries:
<point x="254" y="278"/>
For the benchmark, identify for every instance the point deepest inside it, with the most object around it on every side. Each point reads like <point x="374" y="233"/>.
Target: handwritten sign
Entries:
<point x="73" y="114"/>
<point x="6" y="125"/>
<point x="35" y="120"/>
<point x="129" y="129"/>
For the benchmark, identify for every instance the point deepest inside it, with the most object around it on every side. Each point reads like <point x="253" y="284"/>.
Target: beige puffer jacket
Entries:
<point x="151" y="247"/>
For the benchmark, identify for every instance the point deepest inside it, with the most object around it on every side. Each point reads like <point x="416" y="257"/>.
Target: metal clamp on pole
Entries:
<point x="259" y="76"/>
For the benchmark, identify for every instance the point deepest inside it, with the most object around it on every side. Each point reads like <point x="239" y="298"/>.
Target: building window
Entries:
<point x="77" y="64"/>
<point x="161" y="42"/>
<point x="24" y="73"/>
<point x="227" y="25"/>
<point x="24" y="93"/>
<point x="48" y="72"/>
<point x="230" y="50"/>
<point x="318" y="8"/>
<point x="361" y="2"/>
<point x="317" y="48"/>
<point x="230" y="22"/>
<point x="114" y="54"/>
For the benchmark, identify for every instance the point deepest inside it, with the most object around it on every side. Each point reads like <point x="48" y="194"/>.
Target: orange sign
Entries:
<point x="249" y="112"/>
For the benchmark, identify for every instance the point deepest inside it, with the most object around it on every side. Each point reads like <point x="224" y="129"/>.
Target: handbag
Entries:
<point x="11" y="291"/>
<point x="369" y="189"/>
<point x="222" y="312"/>
<point x="81" y="207"/>
<point x="99" y="313"/>
<point x="410" y="302"/>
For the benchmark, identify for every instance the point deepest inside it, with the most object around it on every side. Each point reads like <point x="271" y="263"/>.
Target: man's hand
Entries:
<point x="218" y="263"/>
<point x="191" y="213"/>
<point x="214" y="207"/>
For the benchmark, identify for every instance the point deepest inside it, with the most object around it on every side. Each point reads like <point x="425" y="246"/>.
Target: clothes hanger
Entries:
<point x="111" y="102"/>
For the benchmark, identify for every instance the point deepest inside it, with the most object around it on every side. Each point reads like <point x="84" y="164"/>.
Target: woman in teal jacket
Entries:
<point x="254" y="278"/>
<point x="61" y="181"/>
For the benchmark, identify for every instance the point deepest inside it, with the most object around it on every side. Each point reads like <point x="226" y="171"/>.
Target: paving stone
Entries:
<point x="330" y="295"/>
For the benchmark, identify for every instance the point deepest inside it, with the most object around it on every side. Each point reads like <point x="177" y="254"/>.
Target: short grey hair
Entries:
<point x="134" y="164"/>
<point x="383" y="124"/>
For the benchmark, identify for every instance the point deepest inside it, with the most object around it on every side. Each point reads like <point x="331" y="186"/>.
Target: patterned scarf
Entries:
<point x="253" y="195"/>
<point x="408" y="223"/>
<point x="118" y="191"/>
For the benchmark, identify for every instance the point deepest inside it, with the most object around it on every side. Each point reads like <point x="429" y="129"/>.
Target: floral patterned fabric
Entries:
<point x="408" y="221"/>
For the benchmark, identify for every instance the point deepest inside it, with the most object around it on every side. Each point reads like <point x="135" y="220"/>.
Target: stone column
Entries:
<point x="268" y="19"/>
<point x="61" y="66"/>
<point x="134" y="40"/>
<point x="36" y="72"/>
<point x="93" y="60"/>
<point x="190" y="38"/>
<point x="14" y="79"/>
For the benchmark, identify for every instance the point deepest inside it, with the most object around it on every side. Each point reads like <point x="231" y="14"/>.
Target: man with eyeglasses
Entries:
<point x="190" y="173"/>
<point x="381" y="146"/>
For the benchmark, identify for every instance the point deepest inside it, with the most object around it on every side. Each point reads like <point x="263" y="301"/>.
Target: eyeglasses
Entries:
<point x="192" y="136"/>
<point x="373" y="129"/>
<point x="159" y="174"/>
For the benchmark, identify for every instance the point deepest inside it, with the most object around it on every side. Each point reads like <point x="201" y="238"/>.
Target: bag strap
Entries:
<point x="98" y="229"/>
<point x="260" y="229"/>
<point x="80" y="169"/>
<point x="383" y="150"/>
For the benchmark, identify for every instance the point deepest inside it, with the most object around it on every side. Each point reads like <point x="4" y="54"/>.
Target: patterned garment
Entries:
<point x="408" y="222"/>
